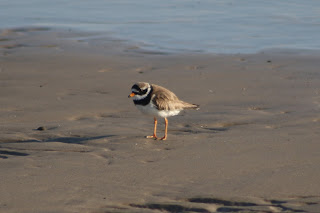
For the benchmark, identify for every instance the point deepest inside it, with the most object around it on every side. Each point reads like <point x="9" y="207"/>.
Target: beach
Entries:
<point x="71" y="140"/>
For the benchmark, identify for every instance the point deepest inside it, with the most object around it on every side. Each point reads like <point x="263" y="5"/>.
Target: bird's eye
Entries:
<point x="144" y="91"/>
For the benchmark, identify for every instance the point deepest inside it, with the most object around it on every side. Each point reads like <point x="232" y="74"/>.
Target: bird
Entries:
<point x="158" y="101"/>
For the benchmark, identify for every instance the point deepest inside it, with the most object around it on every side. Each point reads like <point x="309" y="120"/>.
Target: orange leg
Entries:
<point x="154" y="130"/>
<point x="165" y="130"/>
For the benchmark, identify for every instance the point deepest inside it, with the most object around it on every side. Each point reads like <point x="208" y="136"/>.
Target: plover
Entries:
<point x="157" y="101"/>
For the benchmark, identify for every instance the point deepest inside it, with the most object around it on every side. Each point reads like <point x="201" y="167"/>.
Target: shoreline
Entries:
<point x="95" y="38"/>
<point x="254" y="139"/>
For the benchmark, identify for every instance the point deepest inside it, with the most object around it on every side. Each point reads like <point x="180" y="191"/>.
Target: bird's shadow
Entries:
<point x="4" y="153"/>
<point x="68" y="140"/>
<point x="76" y="140"/>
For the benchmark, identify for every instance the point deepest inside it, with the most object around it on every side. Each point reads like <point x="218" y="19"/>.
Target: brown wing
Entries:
<point x="164" y="99"/>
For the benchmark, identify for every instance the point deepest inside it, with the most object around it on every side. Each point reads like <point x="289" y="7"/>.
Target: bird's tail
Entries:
<point x="191" y="106"/>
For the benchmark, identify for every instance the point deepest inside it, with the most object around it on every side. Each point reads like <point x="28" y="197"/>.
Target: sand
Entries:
<point x="71" y="140"/>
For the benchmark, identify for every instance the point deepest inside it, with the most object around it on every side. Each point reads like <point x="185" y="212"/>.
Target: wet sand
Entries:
<point x="71" y="140"/>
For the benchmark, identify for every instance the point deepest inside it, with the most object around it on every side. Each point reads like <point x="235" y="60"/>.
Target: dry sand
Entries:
<point x="253" y="145"/>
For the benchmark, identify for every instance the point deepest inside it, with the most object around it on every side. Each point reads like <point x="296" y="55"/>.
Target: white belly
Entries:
<point x="151" y="110"/>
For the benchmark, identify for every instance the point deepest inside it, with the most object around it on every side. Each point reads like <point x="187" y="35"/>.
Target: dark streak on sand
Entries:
<point x="221" y="205"/>
<point x="4" y="153"/>
<point x="220" y="202"/>
<point x="172" y="208"/>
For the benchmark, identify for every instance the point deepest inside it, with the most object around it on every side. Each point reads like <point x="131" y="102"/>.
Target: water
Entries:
<point x="215" y="26"/>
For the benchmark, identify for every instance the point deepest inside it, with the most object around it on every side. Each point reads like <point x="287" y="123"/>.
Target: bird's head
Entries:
<point x="140" y="90"/>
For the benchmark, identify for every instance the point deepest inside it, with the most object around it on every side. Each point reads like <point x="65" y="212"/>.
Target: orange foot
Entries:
<point x="163" y="138"/>
<point x="152" y="137"/>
